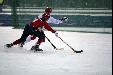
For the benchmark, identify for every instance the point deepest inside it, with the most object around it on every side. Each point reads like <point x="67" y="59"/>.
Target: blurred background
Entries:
<point x="84" y="15"/>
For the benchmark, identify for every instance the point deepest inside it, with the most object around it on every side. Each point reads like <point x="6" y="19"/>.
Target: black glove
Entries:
<point x="64" y="19"/>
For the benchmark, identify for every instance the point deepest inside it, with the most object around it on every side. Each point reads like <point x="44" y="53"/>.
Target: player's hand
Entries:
<point x="56" y="34"/>
<point x="64" y="19"/>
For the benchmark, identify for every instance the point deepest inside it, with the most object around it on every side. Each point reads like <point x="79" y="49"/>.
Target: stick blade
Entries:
<point x="79" y="51"/>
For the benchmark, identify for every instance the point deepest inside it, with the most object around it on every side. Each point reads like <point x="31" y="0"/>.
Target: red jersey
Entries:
<point x="38" y="23"/>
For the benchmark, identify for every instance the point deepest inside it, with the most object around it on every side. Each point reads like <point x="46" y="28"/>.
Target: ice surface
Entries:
<point x="96" y="59"/>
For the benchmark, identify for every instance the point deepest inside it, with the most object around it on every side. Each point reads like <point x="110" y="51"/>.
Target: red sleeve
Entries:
<point x="48" y="27"/>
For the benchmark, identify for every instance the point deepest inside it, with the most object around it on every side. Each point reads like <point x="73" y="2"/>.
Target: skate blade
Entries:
<point x="38" y="51"/>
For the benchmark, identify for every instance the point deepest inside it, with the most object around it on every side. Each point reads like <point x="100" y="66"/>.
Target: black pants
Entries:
<point x="29" y="30"/>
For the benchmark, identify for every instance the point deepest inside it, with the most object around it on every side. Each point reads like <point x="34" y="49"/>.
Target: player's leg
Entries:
<point x="22" y="39"/>
<point x="41" y="39"/>
<point x="19" y="41"/>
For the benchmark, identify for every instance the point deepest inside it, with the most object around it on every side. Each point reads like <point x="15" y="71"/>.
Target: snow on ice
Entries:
<point x="95" y="60"/>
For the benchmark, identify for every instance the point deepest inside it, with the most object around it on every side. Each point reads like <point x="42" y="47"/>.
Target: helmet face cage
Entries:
<point x="49" y="10"/>
<point x="46" y="16"/>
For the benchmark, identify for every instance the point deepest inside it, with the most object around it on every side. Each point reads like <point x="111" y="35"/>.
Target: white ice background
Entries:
<point x="95" y="60"/>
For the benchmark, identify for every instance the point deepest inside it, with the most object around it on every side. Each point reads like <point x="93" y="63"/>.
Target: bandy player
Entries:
<point x="35" y="29"/>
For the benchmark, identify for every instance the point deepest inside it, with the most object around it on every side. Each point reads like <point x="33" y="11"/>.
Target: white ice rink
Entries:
<point x="95" y="60"/>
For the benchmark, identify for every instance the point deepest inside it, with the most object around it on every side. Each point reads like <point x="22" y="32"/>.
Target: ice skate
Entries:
<point x="8" y="45"/>
<point x="36" y="48"/>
